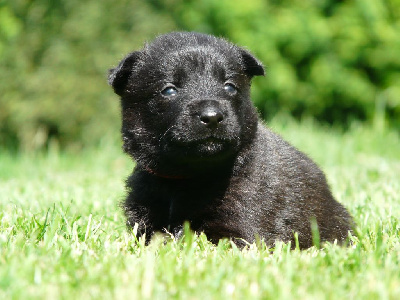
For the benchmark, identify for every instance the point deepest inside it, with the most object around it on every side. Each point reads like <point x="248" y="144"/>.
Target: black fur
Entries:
<point x="204" y="157"/>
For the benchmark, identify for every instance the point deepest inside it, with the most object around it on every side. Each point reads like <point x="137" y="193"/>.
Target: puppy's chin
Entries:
<point x="211" y="147"/>
<point x="202" y="151"/>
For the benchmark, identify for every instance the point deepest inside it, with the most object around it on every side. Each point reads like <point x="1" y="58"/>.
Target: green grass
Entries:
<point x="62" y="234"/>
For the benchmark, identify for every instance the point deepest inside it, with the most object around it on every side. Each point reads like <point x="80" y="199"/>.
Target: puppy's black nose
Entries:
<point x="211" y="117"/>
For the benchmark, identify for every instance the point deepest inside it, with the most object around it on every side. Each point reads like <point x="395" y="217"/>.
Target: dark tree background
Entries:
<point x="335" y="61"/>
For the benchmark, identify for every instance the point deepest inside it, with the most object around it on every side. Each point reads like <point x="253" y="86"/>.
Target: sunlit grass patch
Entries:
<point x="62" y="234"/>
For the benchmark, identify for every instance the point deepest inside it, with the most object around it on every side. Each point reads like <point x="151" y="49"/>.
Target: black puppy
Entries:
<point x="204" y="157"/>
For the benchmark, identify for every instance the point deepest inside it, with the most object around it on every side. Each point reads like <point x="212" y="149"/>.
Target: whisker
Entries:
<point x="159" y="140"/>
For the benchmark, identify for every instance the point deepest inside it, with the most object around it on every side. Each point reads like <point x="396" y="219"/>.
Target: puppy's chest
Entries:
<point x="200" y="203"/>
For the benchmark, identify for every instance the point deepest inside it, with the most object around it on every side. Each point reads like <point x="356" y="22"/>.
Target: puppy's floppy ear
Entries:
<point x="118" y="77"/>
<point x="253" y="67"/>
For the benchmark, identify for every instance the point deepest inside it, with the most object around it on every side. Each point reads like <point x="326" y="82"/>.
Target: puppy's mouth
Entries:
<point x="209" y="148"/>
<point x="211" y="145"/>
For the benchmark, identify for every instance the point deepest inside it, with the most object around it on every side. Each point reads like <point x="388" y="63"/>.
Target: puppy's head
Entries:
<point x="185" y="102"/>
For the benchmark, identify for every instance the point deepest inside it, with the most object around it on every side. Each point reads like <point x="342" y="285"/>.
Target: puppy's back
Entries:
<point x="292" y="193"/>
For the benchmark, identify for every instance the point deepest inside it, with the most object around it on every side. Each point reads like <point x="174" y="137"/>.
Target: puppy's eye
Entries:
<point x="169" y="91"/>
<point x="230" y="88"/>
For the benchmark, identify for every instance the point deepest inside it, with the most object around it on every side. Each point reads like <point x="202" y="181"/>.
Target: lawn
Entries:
<point x="62" y="234"/>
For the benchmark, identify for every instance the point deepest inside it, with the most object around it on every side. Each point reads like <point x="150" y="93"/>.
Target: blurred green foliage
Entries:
<point x="336" y="61"/>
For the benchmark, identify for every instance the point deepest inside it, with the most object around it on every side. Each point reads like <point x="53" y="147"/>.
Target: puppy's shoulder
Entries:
<point x="272" y="150"/>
